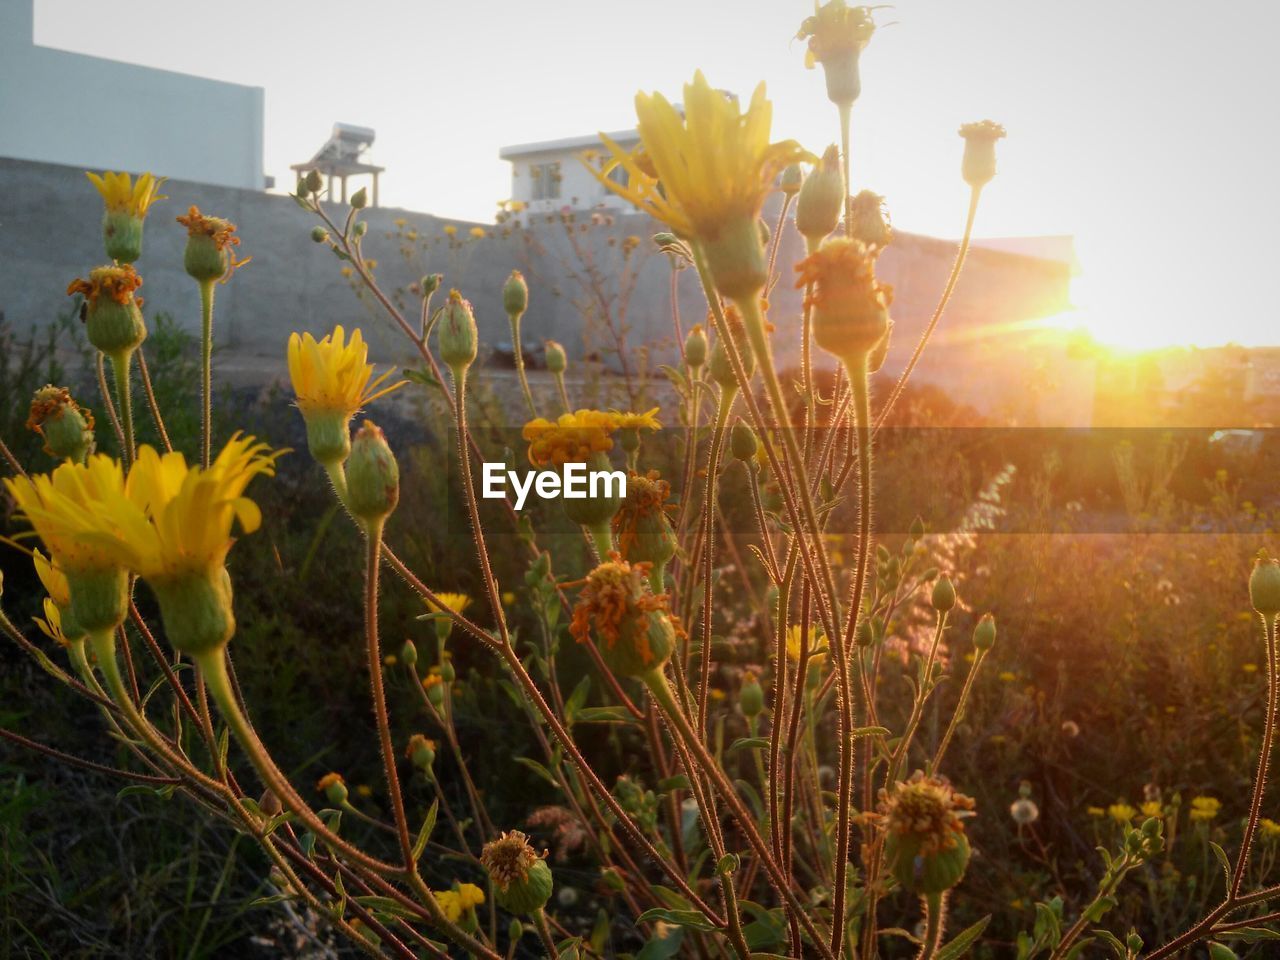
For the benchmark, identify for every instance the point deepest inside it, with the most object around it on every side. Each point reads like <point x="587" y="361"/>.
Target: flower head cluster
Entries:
<point x="454" y="903"/>
<point x="643" y="517"/>
<point x="220" y="231"/>
<point x="835" y="30"/>
<point x="850" y="306"/>
<point x="65" y="427"/>
<point x="210" y="241"/>
<point x="630" y="621"/>
<point x="509" y="858"/>
<point x="927" y="810"/>
<point x="332" y="375"/>
<point x="715" y="163"/>
<point x="573" y="438"/>
<point x="1204" y="809"/>
<point x="122" y="194"/>
<point x="117" y="283"/>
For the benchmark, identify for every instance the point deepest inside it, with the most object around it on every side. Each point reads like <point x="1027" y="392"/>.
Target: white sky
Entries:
<point x="1147" y="129"/>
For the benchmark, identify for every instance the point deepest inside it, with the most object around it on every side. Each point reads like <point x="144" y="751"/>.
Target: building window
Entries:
<point x="546" y="180"/>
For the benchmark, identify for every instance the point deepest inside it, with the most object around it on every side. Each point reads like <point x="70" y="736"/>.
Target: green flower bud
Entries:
<point x="334" y="788"/>
<point x="792" y="179"/>
<point x="360" y="229"/>
<point x="301" y="191"/>
<point x="522" y="881"/>
<point x="456" y="333"/>
<point x="430" y="283"/>
<point x="821" y="199"/>
<point x="751" y="696"/>
<point x="695" y="347"/>
<point x="208" y="256"/>
<point x="864" y="635"/>
<point x="743" y="443"/>
<point x="979" y="163"/>
<point x="314" y="181"/>
<point x="719" y="365"/>
<point x="373" y="477"/>
<point x="736" y="259"/>
<point x="122" y="235"/>
<point x="67" y="430"/>
<point x="113" y="318"/>
<point x="943" y="597"/>
<point x="319" y="234"/>
<point x="360" y="199"/>
<point x="422" y="752"/>
<point x="515" y="295"/>
<point x="447" y="673"/>
<point x="1264" y="585"/>
<point x="99" y="599"/>
<point x="554" y="355"/>
<point x="984" y="634"/>
<point x="409" y="653"/>
<point x="917" y="529"/>
<point x="197" y="611"/>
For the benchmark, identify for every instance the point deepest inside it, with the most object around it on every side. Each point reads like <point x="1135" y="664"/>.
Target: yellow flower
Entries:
<point x="477" y="233"/>
<point x="573" y="438"/>
<point x="1121" y="812"/>
<point x="71" y="508"/>
<point x="455" y="903"/>
<point x="715" y="163"/>
<point x="457" y="602"/>
<point x="1153" y="808"/>
<point x="637" y="421"/>
<point x="122" y="194"/>
<point x="1269" y="830"/>
<point x="817" y="649"/>
<point x="450" y="230"/>
<point x="1096" y="812"/>
<point x="51" y="625"/>
<point x="331" y="375"/>
<point x="1204" y="809"/>
<point x="175" y="521"/>
<point x="54" y="580"/>
<point x="836" y="30"/>
<point x="1006" y="677"/>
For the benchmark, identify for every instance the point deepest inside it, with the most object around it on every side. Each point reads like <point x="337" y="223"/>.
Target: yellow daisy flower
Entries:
<point x="573" y="438"/>
<point x="331" y="375"/>
<point x="637" y="421"/>
<point x="1121" y="812"/>
<point x="817" y="646"/>
<point x="715" y="163"/>
<point x="1204" y="809"/>
<point x="457" y="602"/>
<point x="122" y="194"/>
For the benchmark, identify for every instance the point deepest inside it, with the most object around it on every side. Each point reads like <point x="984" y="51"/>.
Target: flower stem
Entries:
<point x="120" y="367"/>
<point x="935" y="916"/>
<point x="518" y="350"/>
<point x="206" y="370"/>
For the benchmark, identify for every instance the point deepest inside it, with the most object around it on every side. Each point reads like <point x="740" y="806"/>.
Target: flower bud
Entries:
<point x="751" y="696"/>
<point x="720" y="366"/>
<point x="984" y="634"/>
<point x="792" y="179"/>
<point x="314" y="181"/>
<point x="515" y="295"/>
<point x="208" y="255"/>
<point x="113" y="318"/>
<point x="869" y="220"/>
<point x="373" y="477"/>
<point x="553" y="353"/>
<point x="434" y="684"/>
<point x="821" y="198"/>
<point x="1264" y="585"/>
<point x="334" y="788"/>
<point x="695" y="347"/>
<point x="422" y="752"/>
<point x="430" y="284"/>
<point x="864" y="635"/>
<point x="67" y="430"/>
<point x="319" y="234"/>
<point x="742" y="442"/>
<point x="197" y="610"/>
<point x="837" y="35"/>
<point x="631" y="625"/>
<point x="979" y="163"/>
<point x="943" y="597"/>
<point x="360" y="199"/>
<point x="925" y="844"/>
<point x="409" y="653"/>
<point x="522" y="881"/>
<point x="850" y="305"/>
<point x="736" y="259"/>
<point x="301" y="190"/>
<point x="456" y="334"/>
<point x="359" y="230"/>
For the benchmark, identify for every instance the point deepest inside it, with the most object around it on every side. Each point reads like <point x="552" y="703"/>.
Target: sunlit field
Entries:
<point x="827" y="590"/>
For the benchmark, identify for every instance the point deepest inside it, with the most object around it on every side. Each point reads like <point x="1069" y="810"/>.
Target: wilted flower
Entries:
<point x="850" y="306"/>
<point x="925" y="843"/>
<point x="65" y="427"/>
<point x="210" y="241"/>
<point x="522" y="880"/>
<point x="630" y="622"/>
<point x="979" y="163"/>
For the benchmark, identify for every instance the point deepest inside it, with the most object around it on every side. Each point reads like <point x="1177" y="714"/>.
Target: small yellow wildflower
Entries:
<point x="573" y="438"/>
<point x="477" y="233"/>
<point x="1153" y="808"/>
<point x="636" y="421"/>
<point x="1204" y="809"/>
<point x="122" y="194"/>
<point x="1006" y="676"/>
<point x="457" y="602"/>
<point x="456" y="902"/>
<point x="1249" y="667"/>
<point x="1096" y="812"/>
<point x="1121" y="812"/>
<point x="1269" y="830"/>
<point x="817" y="645"/>
<point x="450" y="230"/>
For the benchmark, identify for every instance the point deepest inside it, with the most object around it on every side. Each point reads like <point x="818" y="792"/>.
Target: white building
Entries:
<point x="68" y="108"/>
<point x="550" y="174"/>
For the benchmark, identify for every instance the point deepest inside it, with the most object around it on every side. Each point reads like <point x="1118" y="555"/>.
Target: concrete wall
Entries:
<point x="69" y="108"/>
<point x="50" y="234"/>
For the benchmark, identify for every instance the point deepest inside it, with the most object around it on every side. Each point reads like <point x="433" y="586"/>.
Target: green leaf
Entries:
<point x="1251" y="934"/>
<point x="747" y="743"/>
<point x="678" y="782"/>
<point x="602" y="715"/>
<point x="1098" y="909"/>
<point x="690" y="919"/>
<point x="577" y="698"/>
<point x="960" y="944"/>
<point x="271" y="900"/>
<point x="424" y="834"/>
<point x="539" y="769"/>
<point x="1222" y="859"/>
